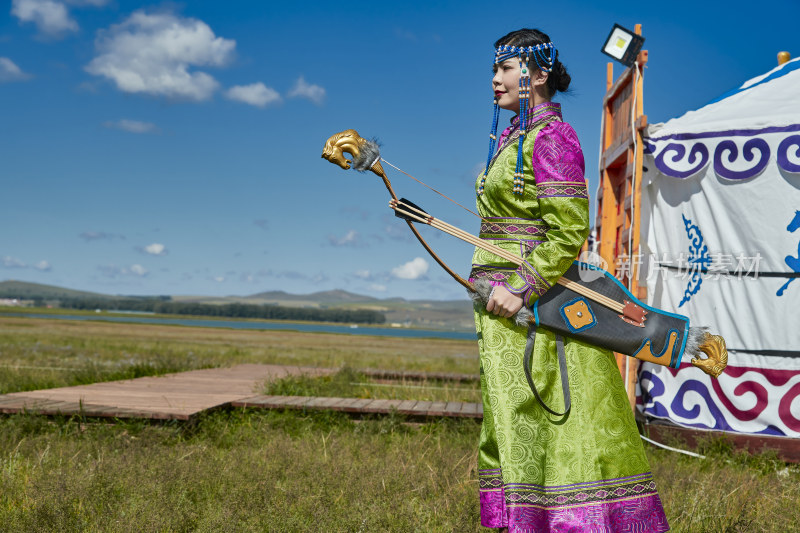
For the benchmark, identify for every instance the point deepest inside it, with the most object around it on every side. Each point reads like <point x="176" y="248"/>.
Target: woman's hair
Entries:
<point x="558" y="79"/>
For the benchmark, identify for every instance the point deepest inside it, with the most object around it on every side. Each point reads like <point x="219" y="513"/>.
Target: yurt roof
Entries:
<point x="769" y="100"/>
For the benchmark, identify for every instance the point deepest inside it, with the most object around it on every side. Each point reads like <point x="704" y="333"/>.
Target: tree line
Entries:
<point x="233" y="310"/>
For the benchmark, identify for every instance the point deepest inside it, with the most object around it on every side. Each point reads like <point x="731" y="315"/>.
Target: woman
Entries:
<point x="585" y="470"/>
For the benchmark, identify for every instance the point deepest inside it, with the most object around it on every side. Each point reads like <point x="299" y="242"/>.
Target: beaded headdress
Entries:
<point x="545" y="57"/>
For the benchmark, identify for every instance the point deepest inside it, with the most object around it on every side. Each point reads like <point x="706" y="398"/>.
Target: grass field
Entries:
<point x="293" y="471"/>
<point x="37" y="353"/>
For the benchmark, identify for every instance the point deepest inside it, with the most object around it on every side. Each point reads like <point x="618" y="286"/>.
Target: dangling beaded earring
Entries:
<point x="492" y="144"/>
<point x="524" y="95"/>
<point x="544" y="63"/>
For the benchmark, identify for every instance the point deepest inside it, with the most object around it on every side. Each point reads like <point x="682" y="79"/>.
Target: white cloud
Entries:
<point x="219" y="279"/>
<point x="155" y="249"/>
<point x="132" y="126"/>
<point x="137" y="270"/>
<point x="414" y="269"/>
<point x="405" y="34"/>
<point x="256" y="94"/>
<point x="375" y="287"/>
<point x="92" y="3"/>
<point x="302" y="89"/>
<point x="112" y="271"/>
<point x="13" y="262"/>
<point x="51" y="18"/>
<point x="152" y="54"/>
<point x="9" y="71"/>
<point x="351" y="238"/>
<point x="99" y="235"/>
<point x="363" y="274"/>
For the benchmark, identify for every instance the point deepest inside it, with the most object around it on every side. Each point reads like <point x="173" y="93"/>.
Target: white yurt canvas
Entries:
<point x="721" y="244"/>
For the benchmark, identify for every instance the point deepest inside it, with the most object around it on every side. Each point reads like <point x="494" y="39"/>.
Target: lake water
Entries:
<point x="242" y="324"/>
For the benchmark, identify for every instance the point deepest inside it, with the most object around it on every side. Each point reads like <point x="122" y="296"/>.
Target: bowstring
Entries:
<point x="431" y="188"/>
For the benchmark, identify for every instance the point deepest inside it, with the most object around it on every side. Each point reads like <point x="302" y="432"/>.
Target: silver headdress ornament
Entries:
<point x="545" y="57"/>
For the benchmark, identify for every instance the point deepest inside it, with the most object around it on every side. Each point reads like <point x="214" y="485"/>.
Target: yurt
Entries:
<point x="720" y="234"/>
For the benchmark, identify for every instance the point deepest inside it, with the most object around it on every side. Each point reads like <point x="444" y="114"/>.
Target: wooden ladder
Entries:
<point x="618" y="219"/>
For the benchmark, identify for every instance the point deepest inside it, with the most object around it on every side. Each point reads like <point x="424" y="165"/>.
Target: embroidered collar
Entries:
<point x="536" y="113"/>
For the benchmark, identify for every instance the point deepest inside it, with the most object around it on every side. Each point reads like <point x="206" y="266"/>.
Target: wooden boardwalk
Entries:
<point x="365" y="406"/>
<point x="183" y="395"/>
<point x="172" y="396"/>
<point x="419" y="376"/>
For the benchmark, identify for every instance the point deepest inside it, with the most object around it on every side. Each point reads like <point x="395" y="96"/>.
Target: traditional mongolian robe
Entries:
<point x="586" y="470"/>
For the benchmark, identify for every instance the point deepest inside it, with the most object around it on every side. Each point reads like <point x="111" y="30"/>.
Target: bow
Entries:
<point x="366" y="156"/>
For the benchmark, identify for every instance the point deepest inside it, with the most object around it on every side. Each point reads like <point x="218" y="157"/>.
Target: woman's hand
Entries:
<point x="503" y="303"/>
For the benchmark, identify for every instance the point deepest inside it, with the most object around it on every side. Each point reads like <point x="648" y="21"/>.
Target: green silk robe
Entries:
<point x="586" y="470"/>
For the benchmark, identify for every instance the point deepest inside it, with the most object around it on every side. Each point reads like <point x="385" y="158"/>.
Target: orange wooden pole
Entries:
<point x="636" y="202"/>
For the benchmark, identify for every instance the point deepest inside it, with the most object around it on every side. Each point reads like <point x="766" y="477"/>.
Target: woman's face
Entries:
<point x="505" y="84"/>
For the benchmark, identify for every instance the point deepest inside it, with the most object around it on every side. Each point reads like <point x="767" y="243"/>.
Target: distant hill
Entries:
<point x="24" y="290"/>
<point x="323" y="297"/>
<point x="448" y="314"/>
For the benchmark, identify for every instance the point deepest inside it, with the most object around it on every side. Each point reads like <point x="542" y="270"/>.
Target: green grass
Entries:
<point x="238" y="471"/>
<point x="294" y="471"/>
<point x="39" y="353"/>
<point x="728" y="491"/>
<point x="350" y="383"/>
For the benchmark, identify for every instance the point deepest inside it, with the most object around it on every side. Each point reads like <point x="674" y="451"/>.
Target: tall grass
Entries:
<point x="238" y="471"/>
<point x="37" y="353"/>
<point x="294" y="471"/>
<point x="350" y="383"/>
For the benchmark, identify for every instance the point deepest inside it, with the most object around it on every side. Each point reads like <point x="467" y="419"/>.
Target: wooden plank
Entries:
<point x="437" y="409"/>
<point x="381" y="406"/>
<point x="182" y="395"/>
<point x="418" y="376"/>
<point x="364" y="404"/>
<point x="614" y="154"/>
<point x="336" y="402"/>
<point x="256" y="401"/>
<point x="260" y="401"/>
<point x="296" y="402"/>
<point x="406" y="407"/>
<point x="319" y="402"/>
<point x="349" y="405"/>
<point x="34" y="404"/>
<point x="615" y="89"/>
<point x="11" y="400"/>
<point x="64" y="407"/>
<point x="453" y="408"/>
<point x="470" y="410"/>
<point x="421" y="408"/>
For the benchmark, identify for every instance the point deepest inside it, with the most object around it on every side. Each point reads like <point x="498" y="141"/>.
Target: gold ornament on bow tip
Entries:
<point x="714" y="347"/>
<point x="365" y="154"/>
<point x="345" y="141"/>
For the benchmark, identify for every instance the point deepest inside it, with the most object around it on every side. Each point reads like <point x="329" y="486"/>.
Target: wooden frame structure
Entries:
<point x="618" y="233"/>
<point x="619" y="196"/>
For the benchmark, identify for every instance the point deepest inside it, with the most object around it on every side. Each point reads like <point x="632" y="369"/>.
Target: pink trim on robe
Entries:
<point x="557" y="155"/>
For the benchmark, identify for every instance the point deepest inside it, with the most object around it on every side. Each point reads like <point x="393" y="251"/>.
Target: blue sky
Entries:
<point x="174" y="148"/>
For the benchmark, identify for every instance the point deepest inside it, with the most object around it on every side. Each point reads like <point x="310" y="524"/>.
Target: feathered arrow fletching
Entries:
<point x="402" y="202"/>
